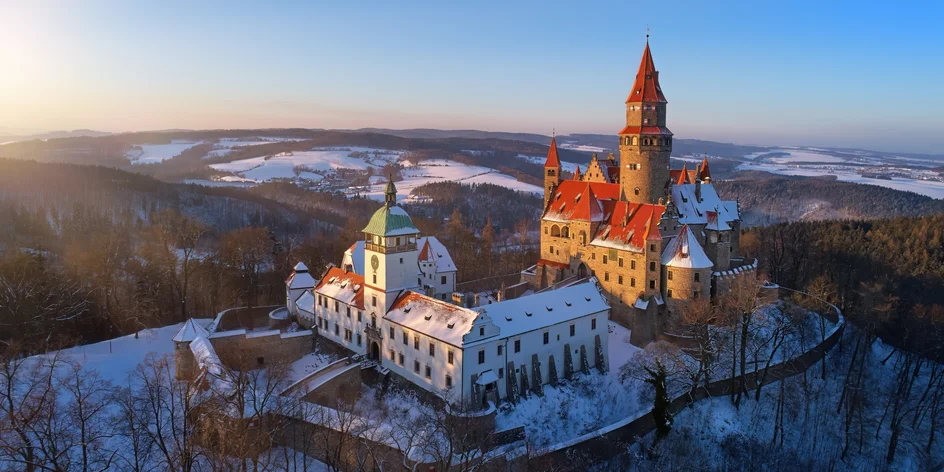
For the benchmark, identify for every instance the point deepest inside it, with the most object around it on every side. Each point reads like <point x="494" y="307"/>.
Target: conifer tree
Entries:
<point x="660" y="410"/>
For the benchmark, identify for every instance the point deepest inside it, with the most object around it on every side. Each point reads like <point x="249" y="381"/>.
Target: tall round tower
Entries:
<point x="645" y="142"/>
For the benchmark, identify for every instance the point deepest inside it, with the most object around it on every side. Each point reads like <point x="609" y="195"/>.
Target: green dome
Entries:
<point x="390" y="221"/>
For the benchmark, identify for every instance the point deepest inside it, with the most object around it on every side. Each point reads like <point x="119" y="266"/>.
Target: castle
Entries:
<point x="654" y="237"/>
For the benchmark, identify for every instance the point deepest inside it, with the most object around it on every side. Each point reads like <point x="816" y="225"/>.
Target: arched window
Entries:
<point x="636" y="190"/>
<point x="565" y="232"/>
<point x="635" y="141"/>
<point x="555" y="230"/>
<point x="583" y="237"/>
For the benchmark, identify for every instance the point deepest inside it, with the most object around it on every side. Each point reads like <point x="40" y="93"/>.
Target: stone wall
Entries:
<point x="252" y="350"/>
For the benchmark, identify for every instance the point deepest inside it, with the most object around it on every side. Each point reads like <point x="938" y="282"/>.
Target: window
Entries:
<point x="500" y="348"/>
<point x="652" y="266"/>
<point x="604" y="259"/>
<point x="347" y="335"/>
<point x="406" y="338"/>
<point x="348" y="311"/>
<point x="636" y="190"/>
<point x="391" y="333"/>
<point x="632" y="265"/>
<point x="550" y="249"/>
<point x="374" y="298"/>
<point x="606" y="276"/>
<point x="358" y="339"/>
<point x="482" y="331"/>
<point x="593" y="256"/>
<point x="393" y="356"/>
<point x="501" y="373"/>
<point x="632" y="281"/>
<point x="442" y="280"/>
<point x="547" y="338"/>
<point x="448" y="381"/>
<point x="432" y="350"/>
<point x="400" y="358"/>
<point x="593" y="323"/>
<point x="416" y="342"/>
<point x="337" y="330"/>
<point x="397" y="244"/>
<point x="359" y="315"/>
<point x="619" y="280"/>
<point x="695" y="295"/>
<point x="517" y="345"/>
<point x="375" y="283"/>
<point x="697" y="277"/>
<point x="573" y="330"/>
<point x="669" y="275"/>
<point x="620" y="262"/>
<point x="669" y="293"/>
<point x="652" y="284"/>
<point x="336" y="308"/>
<point x="429" y="372"/>
<point x="416" y="366"/>
<point x="401" y="260"/>
<point x="260" y="360"/>
<point x="652" y="247"/>
<point x="482" y="356"/>
<point x="449" y="357"/>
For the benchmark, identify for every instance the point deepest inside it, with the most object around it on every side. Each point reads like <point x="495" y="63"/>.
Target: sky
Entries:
<point x="849" y="74"/>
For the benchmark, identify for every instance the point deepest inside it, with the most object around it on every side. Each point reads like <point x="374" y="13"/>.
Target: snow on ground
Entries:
<point x="154" y="153"/>
<point x="796" y="155"/>
<point x="318" y="162"/>
<point x="931" y="188"/>
<point x="308" y="364"/>
<point x="582" y="148"/>
<point x="565" y="166"/>
<point x="586" y="403"/>
<point x="438" y="170"/>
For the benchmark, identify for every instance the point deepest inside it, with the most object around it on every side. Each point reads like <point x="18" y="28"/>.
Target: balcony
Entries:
<point x="390" y="249"/>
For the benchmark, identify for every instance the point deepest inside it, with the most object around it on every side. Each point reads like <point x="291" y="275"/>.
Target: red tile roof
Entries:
<point x="576" y="200"/>
<point x="339" y="284"/>
<point x="704" y="172"/>
<point x="646" y="87"/>
<point x="552" y="159"/>
<point x="425" y="253"/>
<point x="675" y="175"/>
<point x="629" y="224"/>
<point x="657" y="130"/>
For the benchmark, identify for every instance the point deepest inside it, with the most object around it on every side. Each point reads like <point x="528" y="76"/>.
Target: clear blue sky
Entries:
<point x="841" y="74"/>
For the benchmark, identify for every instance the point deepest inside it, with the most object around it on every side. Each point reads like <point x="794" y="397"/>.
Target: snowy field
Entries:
<point x="565" y="166"/>
<point x="438" y="170"/>
<point x="573" y="146"/>
<point x="930" y="188"/>
<point x="318" y="163"/>
<point x="155" y="153"/>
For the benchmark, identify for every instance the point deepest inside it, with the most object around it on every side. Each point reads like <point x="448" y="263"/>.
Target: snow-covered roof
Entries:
<point x="694" y="212"/>
<point x="211" y="365"/>
<point x="354" y="255"/>
<point x="390" y="220"/>
<point x="715" y="223"/>
<point x="306" y="302"/>
<point x="189" y="331"/>
<point x="641" y="304"/>
<point x="432" y="317"/>
<point x="301" y="278"/>
<point x="684" y="251"/>
<point x="346" y="287"/>
<point x="487" y="377"/>
<point x="521" y="315"/>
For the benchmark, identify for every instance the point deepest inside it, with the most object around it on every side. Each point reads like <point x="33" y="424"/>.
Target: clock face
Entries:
<point x="374" y="261"/>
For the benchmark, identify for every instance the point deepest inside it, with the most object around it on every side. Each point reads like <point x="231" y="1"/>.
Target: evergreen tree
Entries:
<point x="661" y="414"/>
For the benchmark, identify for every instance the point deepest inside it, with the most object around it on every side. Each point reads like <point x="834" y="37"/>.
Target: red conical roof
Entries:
<point x="577" y="173"/>
<point x="552" y="159"/>
<point x="704" y="172"/>
<point x="425" y="253"/>
<point x="683" y="176"/>
<point x="646" y="87"/>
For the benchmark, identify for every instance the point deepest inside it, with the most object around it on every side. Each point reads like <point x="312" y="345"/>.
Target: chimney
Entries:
<point x="698" y="190"/>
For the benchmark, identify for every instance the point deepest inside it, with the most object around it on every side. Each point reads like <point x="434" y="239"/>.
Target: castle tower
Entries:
<point x="552" y="171"/>
<point x="390" y="254"/>
<point x="645" y="142"/>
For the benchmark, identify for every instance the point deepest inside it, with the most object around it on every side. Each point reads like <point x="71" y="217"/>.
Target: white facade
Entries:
<point x="436" y="274"/>
<point x="297" y="284"/>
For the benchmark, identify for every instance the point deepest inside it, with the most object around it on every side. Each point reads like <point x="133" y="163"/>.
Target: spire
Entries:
<point x="552" y="159"/>
<point x="646" y="87"/>
<point x="577" y="173"/>
<point x="683" y="176"/>
<point x="703" y="172"/>
<point x="390" y="193"/>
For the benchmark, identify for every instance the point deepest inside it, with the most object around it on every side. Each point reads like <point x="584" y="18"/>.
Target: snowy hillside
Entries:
<point x="438" y="170"/>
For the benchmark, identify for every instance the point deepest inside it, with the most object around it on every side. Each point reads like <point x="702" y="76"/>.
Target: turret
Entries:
<point x="552" y="170"/>
<point x="645" y="142"/>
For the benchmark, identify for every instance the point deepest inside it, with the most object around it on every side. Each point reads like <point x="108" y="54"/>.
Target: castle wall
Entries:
<point x="238" y="349"/>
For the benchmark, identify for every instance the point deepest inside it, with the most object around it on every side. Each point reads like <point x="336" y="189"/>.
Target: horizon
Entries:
<point x="514" y="69"/>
